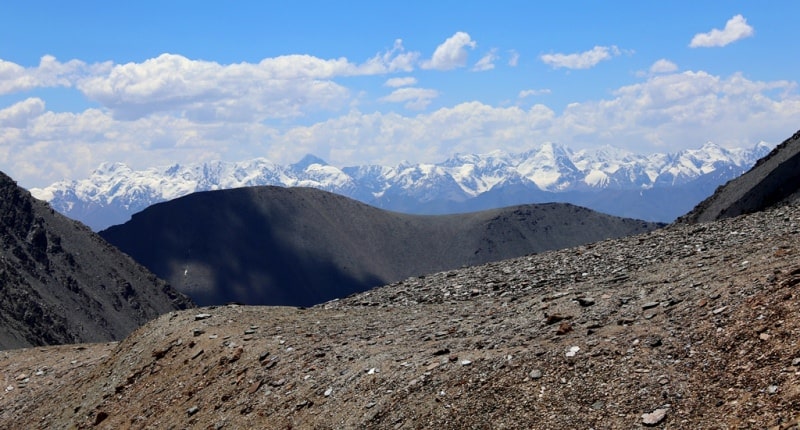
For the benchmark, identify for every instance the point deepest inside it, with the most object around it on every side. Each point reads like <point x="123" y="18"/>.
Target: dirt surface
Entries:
<point x="690" y="327"/>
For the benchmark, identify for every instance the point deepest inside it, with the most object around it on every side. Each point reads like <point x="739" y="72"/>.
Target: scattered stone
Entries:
<point x="764" y="336"/>
<point x="598" y="405"/>
<point x="718" y="311"/>
<point x="100" y="417"/>
<point x="197" y="332"/>
<point x="328" y="392"/>
<point x="199" y="317"/>
<point x="554" y="318"/>
<point x="655" y="417"/>
<point x="442" y="351"/>
<point x="772" y="389"/>
<point x="586" y="301"/>
<point x="193" y="410"/>
<point x="796" y="362"/>
<point x="466" y="362"/>
<point x="563" y="328"/>
<point x="572" y="351"/>
<point x="649" y="305"/>
<point x="535" y="374"/>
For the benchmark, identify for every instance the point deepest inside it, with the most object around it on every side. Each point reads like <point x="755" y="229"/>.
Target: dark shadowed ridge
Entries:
<point x="62" y="283"/>
<point x="774" y="179"/>
<point x="302" y="246"/>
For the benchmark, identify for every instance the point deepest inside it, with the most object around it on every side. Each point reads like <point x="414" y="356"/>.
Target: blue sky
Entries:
<point x="154" y="83"/>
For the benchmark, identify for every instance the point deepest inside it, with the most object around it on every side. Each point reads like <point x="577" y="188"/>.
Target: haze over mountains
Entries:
<point x="62" y="283"/>
<point x="302" y="246"/>
<point x="657" y="187"/>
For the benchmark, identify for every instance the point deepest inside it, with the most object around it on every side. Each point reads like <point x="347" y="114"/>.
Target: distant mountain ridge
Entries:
<point x="608" y="179"/>
<point x="301" y="246"/>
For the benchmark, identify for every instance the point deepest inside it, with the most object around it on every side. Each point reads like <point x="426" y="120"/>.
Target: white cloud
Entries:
<point x="663" y="66"/>
<point x="49" y="73"/>
<point x="452" y="53"/>
<point x="528" y="93"/>
<point x="513" y="59"/>
<point x="665" y="111"/>
<point x="581" y="60"/>
<point x="486" y="62"/>
<point x="414" y="98"/>
<point x="400" y="82"/>
<point x="280" y="87"/>
<point x="735" y="29"/>
<point x="18" y="114"/>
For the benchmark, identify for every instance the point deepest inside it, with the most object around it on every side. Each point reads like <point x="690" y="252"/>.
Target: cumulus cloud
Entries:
<point x="528" y="93"/>
<point x="513" y="58"/>
<point x="664" y="111"/>
<point x="414" y="98"/>
<point x="486" y="62"/>
<point x="663" y="66"/>
<point x="735" y="29"/>
<point x="581" y="60"/>
<point x="49" y="73"/>
<point x="452" y="53"/>
<point x="400" y="82"/>
<point x="18" y="114"/>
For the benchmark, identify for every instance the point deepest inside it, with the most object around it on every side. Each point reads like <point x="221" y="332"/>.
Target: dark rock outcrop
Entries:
<point x="775" y="179"/>
<point x="61" y="283"/>
<point x="302" y="246"/>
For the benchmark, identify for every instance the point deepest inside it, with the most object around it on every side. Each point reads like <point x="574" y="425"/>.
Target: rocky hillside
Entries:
<point x="61" y="283"/>
<point x="689" y="327"/>
<point x="303" y="246"/>
<point x="774" y="179"/>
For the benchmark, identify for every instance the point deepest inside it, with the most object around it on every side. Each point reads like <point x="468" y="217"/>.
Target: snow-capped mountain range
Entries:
<point x="656" y="187"/>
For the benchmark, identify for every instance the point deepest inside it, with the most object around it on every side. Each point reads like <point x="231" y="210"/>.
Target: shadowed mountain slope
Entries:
<point x="301" y="246"/>
<point x="62" y="283"/>
<point x="774" y="179"/>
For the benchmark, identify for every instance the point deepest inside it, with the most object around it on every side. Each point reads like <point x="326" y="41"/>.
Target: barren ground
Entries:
<point x="692" y="327"/>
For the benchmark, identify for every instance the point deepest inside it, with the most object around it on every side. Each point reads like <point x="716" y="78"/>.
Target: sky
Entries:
<point x="151" y="83"/>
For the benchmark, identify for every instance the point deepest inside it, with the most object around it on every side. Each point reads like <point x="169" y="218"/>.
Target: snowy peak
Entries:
<point x="114" y="191"/>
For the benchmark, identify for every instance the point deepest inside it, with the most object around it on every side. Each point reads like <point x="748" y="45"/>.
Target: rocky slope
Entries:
<point x="61" y="283"/>
<point x="303" y="246"/>
<point x="774" y="179"/>
<point x="689" y="327"/>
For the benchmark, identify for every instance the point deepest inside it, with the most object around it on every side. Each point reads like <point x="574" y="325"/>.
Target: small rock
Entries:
<point x="572" y="351"/>
<point x="197" y="332"/>
<point x="649" y="305"/>
<point x="586" y="301"/>
<point x="598" y="405"/>
<point x="199" y="317"/>
<point x="193" y="410"/>
<point x="764" y="336"/>
<point x="655" y="417"/>
<point x="772" y="389"/>
<point x="796" y="362"/>
<point x="328" y="392"/>
<point x="370" y="405"/>
<point x="100" y="417"/>
<point x="373" y="371"/>
<point x="465" y="362"/>
<point x="563" y="328"/>
<point x="535" y="374"/>
<point x="718" y="311"/>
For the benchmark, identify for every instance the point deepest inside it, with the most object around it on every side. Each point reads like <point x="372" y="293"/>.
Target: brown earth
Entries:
<point x="692" y="326"/>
